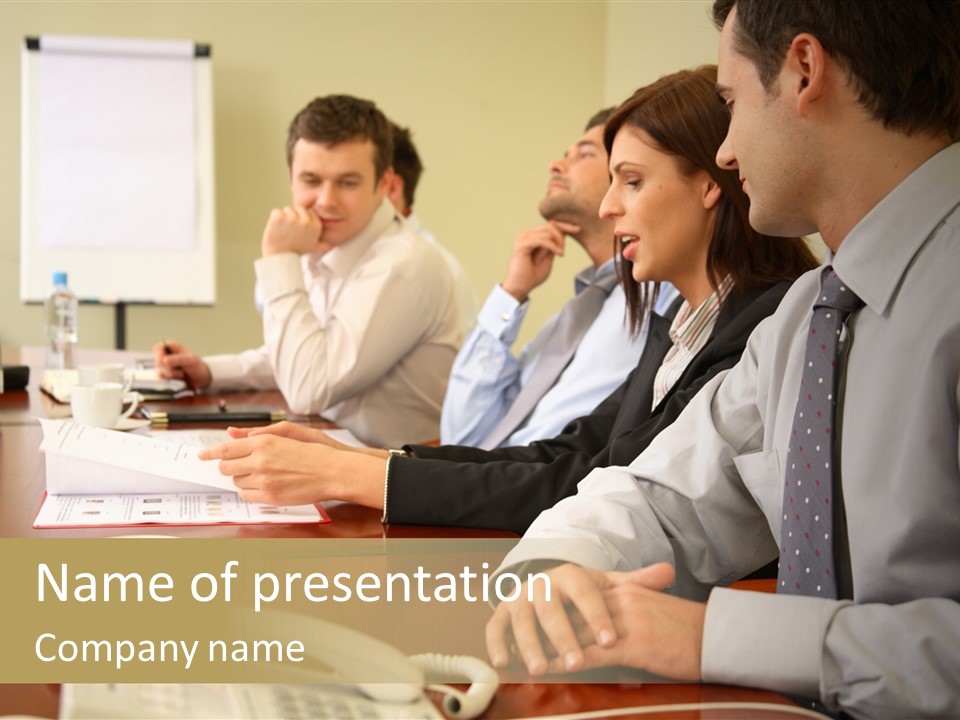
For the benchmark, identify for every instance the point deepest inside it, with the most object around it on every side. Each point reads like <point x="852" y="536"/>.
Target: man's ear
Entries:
<point x="392" y="184"/>
<point x="804" y="71"/>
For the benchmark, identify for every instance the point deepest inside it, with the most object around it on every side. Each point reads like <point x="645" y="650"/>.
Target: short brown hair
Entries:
<point x="684" y="117"/>
<point x="903" y="57"/>
<point x="335" y="119"/>
<point x="599" y="118"/>
<point x="406" y="162"/>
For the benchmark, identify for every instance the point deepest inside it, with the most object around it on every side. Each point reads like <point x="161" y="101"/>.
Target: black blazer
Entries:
<point x="507" y="488"/>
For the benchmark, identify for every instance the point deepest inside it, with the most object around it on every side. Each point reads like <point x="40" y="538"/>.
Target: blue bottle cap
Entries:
<point x="60" y="278"/>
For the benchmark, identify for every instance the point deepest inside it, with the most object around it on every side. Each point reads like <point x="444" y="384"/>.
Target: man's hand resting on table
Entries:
<point x="598" y="619"/>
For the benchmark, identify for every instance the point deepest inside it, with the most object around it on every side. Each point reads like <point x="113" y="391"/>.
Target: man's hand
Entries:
<point x="292" y="229"/>
<point x="526" y="617"/>
<point x="173" y="360"/>
<point x="532" y="257"/>
<point x="598" y="619"/>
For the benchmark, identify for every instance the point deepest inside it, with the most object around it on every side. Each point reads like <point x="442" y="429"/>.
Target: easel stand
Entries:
<point x="120" y="326"/>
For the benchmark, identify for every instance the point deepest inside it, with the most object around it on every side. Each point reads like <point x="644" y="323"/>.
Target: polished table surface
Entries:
<point x="530" y="700"/>
<point x="22" y="484"/>
<point x="22" y="472"/>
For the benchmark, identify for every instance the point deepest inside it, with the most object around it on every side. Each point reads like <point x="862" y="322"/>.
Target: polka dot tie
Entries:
<point x="807" y="565"/>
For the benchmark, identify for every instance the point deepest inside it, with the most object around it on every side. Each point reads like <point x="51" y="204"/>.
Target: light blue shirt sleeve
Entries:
<point x="486" y="376"/>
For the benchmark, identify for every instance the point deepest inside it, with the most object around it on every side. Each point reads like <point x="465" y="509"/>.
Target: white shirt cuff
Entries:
<point x="501" y="315"/>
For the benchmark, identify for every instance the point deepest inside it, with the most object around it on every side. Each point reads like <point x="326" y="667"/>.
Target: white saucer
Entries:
<point x="124" y="424"/>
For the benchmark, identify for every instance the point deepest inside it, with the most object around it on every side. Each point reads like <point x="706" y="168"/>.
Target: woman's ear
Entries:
<point x="710" y="192"/>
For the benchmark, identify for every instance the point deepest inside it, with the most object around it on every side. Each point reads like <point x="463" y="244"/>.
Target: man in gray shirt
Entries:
<point x="834" y="128"/>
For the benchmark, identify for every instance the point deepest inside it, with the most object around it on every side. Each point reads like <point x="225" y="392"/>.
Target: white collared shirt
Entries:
<point x="689" y="332"/>
<point x="364" y="334"/>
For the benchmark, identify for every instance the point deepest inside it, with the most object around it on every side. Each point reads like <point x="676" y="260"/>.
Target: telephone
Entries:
<point x="348" y="687"/>
<point x="359" y="658"/>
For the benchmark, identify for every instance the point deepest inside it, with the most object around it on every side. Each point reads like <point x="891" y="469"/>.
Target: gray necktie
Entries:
<point x="574" y="321"/>
<point x="807" y="562"/>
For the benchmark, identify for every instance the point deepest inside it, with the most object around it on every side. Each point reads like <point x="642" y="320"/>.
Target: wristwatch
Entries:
<point x="398" y="452"/>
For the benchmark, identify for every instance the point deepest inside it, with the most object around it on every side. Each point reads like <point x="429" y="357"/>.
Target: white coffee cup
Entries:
<point x="105" y="373"/>
<point x="101" y="403"/>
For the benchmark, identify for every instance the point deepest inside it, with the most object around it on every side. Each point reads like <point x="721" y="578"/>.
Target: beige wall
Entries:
<point x="493" y="92"/>
<point x="649" y="38"/>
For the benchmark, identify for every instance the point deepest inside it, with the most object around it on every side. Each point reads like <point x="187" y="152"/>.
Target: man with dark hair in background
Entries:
<point x="360" y="319"/>
<point x="407" y="168"/>
<point x="488" y="381"/>
<point x="833" y="444"/>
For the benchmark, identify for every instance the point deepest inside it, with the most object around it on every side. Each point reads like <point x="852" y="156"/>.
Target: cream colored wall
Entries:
<point x="649" y="38"/>
<point x="493" y="91"/>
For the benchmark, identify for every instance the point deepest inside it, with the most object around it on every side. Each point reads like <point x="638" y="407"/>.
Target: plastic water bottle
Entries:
<point x="60" y="315"/>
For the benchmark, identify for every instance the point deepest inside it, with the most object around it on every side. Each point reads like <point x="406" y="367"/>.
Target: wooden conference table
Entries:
<point x="22" y="484"/>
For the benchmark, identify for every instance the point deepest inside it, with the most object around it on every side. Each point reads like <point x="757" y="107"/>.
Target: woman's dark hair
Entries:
<point x="686" y="119"/>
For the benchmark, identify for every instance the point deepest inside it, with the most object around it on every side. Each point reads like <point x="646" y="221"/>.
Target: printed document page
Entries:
<point x="212" y="508"/>
<point x="84" y="459"/>
<point x="98" y="478"/>
<point x="207" y="437"/>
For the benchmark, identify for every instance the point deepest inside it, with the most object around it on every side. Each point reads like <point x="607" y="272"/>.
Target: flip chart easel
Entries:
<point x="117" y="171"/>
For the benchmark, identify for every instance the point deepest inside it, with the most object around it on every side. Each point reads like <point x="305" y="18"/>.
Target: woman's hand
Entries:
<point x="276" y="469"/>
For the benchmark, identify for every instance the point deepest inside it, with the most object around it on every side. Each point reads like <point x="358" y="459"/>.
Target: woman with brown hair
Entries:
<point x="679" y="218"/>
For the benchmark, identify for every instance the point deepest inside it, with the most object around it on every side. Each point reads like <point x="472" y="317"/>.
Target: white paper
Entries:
<point x="346" y="437"/>
<point x="88" y="460"/>
<point x="98" y="477"/>
<point x="202" y="438"/>
<point x="208" y="438"/>
<point x="197" y="508"/>
<point x="116" y="136"/>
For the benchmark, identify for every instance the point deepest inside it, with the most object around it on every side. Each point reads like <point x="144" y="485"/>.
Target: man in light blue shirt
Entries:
<point x="487" y="377"/>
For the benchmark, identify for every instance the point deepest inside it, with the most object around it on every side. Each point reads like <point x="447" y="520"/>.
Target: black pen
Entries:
<point x="218" y="415"/>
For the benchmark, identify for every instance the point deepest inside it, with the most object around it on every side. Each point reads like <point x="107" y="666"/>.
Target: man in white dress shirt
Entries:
<point x="487" y="377"/>
<point x="360" y="318"/>
<point x="845" y="119"/>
